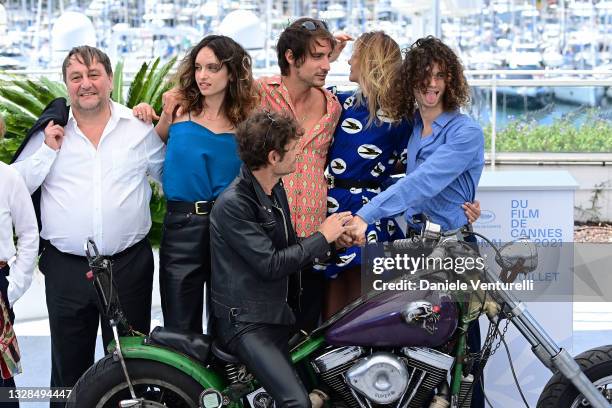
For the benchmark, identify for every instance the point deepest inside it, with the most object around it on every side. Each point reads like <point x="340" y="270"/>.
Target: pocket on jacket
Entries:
<point x="268" y="225"/>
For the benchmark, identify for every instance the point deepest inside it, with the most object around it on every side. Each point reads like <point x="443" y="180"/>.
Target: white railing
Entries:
<point x="497" y="78"/>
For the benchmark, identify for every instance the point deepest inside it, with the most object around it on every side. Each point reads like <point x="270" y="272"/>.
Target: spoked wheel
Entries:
<point x="596" y="363"/>
<point x="604" y="385"/>
<point x="159" y="385"/>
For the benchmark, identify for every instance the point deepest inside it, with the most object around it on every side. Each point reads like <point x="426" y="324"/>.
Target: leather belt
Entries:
<point x="126" y="251"/>
<point x="198" y="208"/>
<point x="48" y="246"/>
<point x="333" y="182"/>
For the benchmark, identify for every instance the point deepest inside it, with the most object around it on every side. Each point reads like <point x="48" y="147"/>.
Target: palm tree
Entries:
<point x="23" y="100"/>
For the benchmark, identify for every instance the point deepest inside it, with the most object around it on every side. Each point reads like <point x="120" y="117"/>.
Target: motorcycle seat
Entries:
<point x="194" y="345"/>
<point x="223" y="354"/>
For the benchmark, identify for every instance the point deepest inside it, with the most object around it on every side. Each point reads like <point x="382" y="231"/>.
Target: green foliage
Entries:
<point x="8" y="147"/>
<point x="117" y="94"/>
<point x="593" y="213"/>
<point x="149" y="85"/>
<point x="136" y="87"/>
<point x="592" y="135"/>
<point x="22" y="102"/>
<point x="158" y="87"/>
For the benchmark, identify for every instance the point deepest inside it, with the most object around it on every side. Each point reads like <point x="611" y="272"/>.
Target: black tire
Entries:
<point x="559" y="392"/>
<point x="103" y="385"/>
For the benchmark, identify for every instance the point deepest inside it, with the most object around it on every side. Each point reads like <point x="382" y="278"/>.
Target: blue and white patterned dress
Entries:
<point x="367" y="154"/>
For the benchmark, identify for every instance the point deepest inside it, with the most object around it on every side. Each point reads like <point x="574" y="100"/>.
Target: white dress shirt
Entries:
<point x="16" y="210"/>
<point x="101" y="193"/>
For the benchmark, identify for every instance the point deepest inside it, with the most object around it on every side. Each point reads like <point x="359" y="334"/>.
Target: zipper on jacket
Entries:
<point x="286" y="243"/>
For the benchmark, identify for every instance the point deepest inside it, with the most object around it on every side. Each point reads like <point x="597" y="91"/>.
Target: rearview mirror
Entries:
<point x="520" y="256"/>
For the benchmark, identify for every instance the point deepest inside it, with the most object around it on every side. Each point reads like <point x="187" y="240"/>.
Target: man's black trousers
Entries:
<point x="264" y="349"/>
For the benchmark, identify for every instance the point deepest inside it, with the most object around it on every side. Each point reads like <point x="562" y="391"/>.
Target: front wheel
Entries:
<point x="103" y="385"/>
<point x="596" y="363"/>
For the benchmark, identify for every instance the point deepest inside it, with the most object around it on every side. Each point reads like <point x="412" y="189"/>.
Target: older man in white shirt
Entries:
<point x="16" y="263"/>
<point x="93" y="179"/>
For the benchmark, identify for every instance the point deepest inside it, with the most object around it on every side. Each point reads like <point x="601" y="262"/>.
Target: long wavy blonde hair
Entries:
<point x="379" y="59"/>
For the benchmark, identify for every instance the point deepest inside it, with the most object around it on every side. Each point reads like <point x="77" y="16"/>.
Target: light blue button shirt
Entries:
<point x="442" y="173"/>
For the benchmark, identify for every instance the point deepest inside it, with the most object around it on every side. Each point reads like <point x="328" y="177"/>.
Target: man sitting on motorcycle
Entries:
<point x="257" y="257"/>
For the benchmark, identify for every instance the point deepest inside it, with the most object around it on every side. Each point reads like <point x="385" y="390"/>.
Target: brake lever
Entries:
<point x="91" y="249"/>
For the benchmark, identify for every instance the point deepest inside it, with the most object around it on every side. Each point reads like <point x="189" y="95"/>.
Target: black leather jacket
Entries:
<point x="254" y="251"/>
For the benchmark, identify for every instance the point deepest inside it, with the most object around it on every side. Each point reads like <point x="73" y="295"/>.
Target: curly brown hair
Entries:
<point x="415" y="74"/>
<point x="240" y="95"/>
<point x="263" y="132"/>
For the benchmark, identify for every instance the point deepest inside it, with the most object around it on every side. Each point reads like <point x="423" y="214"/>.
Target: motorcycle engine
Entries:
<point x="382" y="377"/>
<point x="403" y="379"/>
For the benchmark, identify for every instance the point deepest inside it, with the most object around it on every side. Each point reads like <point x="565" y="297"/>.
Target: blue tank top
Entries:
<point x="199" y="163"/>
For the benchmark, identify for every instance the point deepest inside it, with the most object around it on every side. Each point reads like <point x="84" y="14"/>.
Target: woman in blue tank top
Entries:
<point x="215" y="79"/>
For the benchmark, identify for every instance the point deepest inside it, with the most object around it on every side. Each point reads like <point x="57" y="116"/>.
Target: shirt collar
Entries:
<point x="277" y="80"/>
<point x="116" y="113"/>
<point x="442" y="119"/>
<point x="262" y="197"/>
<point x="273" y="80"/>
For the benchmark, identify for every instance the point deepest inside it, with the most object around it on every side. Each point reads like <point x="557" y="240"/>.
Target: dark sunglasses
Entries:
<point x="311" y="25"/>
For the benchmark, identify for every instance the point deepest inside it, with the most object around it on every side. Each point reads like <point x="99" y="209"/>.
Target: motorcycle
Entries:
<point x="389" y="349"/>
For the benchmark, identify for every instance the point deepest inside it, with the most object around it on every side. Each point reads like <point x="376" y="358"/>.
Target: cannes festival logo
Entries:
<point x="486" y="217"/>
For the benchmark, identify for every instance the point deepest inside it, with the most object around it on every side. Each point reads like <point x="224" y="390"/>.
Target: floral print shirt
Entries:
<point x="306" y="187"/>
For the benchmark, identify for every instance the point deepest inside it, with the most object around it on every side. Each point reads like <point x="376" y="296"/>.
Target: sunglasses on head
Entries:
<point x="272" y="122"/>
<point x="311" y="25"/>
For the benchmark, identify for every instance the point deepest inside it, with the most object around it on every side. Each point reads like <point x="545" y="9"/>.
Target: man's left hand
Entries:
<point x="472" y="211"/>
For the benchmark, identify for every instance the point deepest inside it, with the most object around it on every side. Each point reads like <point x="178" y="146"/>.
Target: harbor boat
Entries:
<point x="580" y="95"/>
<point x="524" y="57"/>
<point x="582" y="52"/>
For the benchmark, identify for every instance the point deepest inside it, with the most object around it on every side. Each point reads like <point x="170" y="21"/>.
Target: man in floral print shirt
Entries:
<point x="304" y="50"/>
